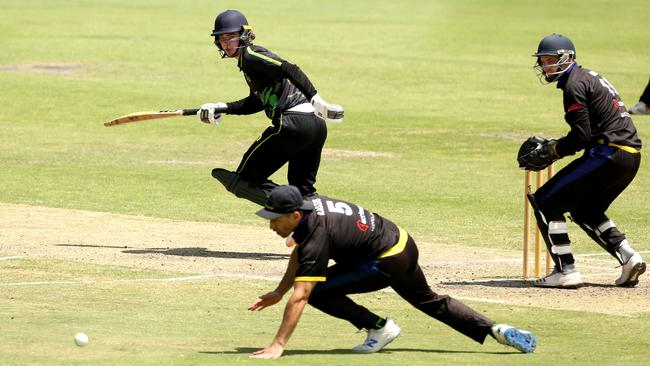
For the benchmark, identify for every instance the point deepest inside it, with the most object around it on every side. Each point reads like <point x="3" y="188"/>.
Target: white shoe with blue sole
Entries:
<point x="522" y="340"/>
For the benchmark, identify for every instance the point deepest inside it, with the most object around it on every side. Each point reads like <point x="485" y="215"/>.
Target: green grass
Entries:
<point x="437" y="84"/>
<point x="446" y="87"/>
<point x="206" y="322"/>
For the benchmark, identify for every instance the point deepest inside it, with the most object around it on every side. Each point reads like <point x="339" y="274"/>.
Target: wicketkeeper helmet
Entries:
<point x="232" y="21"/>
<point x="555" y="45"/>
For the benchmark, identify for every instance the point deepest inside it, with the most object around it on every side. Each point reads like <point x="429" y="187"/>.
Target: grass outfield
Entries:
<point x="132" y="319"/>
<point x="438" y="96"/>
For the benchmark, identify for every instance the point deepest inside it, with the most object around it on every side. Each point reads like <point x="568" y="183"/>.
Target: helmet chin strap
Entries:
<point x="245" y="40"/>
<point x="237" y="49"/>
<point x="546" y="78"/>
<point x="224" y="54"/>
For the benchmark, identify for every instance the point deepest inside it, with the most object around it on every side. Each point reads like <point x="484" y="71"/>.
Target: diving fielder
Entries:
<point x="370" y="253"/>
<point x="601" y="126"/>
<point x="287" y="97"/>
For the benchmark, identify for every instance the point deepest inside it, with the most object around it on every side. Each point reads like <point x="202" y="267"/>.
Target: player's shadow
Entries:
<point x="514" y="283"/>
<point x="203" y="252"/>
<point x="506" y="282"/>
<point x="345" y="351"/>
<point x="189" y="252"/>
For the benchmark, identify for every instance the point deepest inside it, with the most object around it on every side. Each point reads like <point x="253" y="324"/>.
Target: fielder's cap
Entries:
<point x="283" y="200"/>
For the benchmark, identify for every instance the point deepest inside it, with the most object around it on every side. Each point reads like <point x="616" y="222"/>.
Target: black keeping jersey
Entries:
<point x="595" y="113"/>
<point x="263" y="72"/>
<point x="343" y="232"/>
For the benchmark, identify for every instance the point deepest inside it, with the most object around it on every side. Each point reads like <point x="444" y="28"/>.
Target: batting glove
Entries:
<point x="326" y="111"/>
<point x="211" y="112"/>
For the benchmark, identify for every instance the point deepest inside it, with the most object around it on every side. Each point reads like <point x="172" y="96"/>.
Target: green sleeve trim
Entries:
<point x="265" y="58"/>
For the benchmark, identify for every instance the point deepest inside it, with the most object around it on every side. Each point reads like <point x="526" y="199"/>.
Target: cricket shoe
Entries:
<point x="522" y="340"/>
<point x="640" y="108"/>
<point x="634" y="268"/>
<point x="378" y="338"/>
<point x="569" y="278"/>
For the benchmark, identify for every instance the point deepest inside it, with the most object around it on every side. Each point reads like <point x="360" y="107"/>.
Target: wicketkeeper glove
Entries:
<point x="536" y="153"/>
<point x="326" y="111"/>
<point x="211" y="112"/>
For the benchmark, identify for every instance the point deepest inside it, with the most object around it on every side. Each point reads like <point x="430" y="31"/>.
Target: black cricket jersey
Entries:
<point x="275" y="84"/>
<point x="343" y="232"/>
<point x="594" y="111"/>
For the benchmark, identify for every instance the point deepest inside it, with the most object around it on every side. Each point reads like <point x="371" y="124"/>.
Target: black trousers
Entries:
<point x="297" y="139"/>
<point x="585" y="188"/>
<point x="403" y="273"/>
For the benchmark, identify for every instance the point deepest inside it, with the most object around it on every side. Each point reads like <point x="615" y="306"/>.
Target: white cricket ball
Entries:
<point x="81" y="339"/>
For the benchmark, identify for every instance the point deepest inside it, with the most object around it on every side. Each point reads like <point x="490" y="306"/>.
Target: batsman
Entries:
<point x="602" y="128"/>
<point x="287" y="97"/>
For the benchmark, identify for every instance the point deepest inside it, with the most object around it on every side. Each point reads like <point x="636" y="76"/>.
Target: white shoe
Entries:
<point x="640" y="108"/>
<point x="634" y="268"/>
<point x="522" y="340"/>
<point x="378" y="338"/>
<point x="559" y="279"/>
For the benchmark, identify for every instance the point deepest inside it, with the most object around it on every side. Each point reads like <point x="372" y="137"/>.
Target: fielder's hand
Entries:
<point x="211" y="112"/>
<point x="271" y="352"/>
<point x="326" y="111"/>
<point x="265" y="301"/>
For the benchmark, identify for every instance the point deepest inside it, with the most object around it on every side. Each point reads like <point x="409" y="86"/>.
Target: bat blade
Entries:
<point x="145" y="116"/>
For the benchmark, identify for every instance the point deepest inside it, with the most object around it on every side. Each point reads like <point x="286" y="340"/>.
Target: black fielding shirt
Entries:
<point x="341" y="231"/>
<point x="594" y="111"/>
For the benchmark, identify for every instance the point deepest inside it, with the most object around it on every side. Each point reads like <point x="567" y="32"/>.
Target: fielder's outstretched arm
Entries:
<point x="290" y="274"/>
<point x="285" y="284"/>
<point x="292" y="313"/>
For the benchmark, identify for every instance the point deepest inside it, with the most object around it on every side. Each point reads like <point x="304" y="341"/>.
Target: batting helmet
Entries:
<point x="555" y="45"/>
<point x="232" y="21"/>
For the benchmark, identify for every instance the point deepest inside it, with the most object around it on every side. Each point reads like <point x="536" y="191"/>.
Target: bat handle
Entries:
<point x="189" y="112"/>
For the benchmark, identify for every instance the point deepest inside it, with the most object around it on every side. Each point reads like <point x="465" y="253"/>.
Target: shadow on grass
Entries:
<point x="190" y="252"/>
<point x="510" y="283"/>
<point x="202" y="252"/>
<point x="339" y="351"/>
<point x="492" y="283"/>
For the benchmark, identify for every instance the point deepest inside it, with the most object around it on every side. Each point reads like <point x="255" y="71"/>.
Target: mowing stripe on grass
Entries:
<point x="169" y="279"/>
<point x="264" y="278"/>
<point x="203" y="277"/>
<point x="9" y="258"/>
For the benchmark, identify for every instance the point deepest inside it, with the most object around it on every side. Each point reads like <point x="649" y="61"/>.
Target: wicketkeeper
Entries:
<point x="601" y="126"/>
<point x="297" y="113"/>
<point x="370" y="253"/>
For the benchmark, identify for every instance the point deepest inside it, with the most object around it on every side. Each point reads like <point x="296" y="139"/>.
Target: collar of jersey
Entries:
<point x="561" y="81"/>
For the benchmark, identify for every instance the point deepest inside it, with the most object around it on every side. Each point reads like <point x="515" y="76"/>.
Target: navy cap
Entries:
<point x="283" y="200"/>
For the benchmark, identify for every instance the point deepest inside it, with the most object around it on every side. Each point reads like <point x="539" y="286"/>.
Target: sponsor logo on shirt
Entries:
<point x="362" y="215"/>
<point x="318" y="207"/>
<point x="362" y="223"/>
<point x="361" y="226"/>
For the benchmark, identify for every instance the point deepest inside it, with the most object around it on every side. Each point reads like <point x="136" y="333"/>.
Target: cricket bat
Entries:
<point x="145" y="116"/>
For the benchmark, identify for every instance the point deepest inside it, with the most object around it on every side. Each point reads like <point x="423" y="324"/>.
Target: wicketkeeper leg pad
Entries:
<point x="607" y="235"/>
<point x="554" y="231"/>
